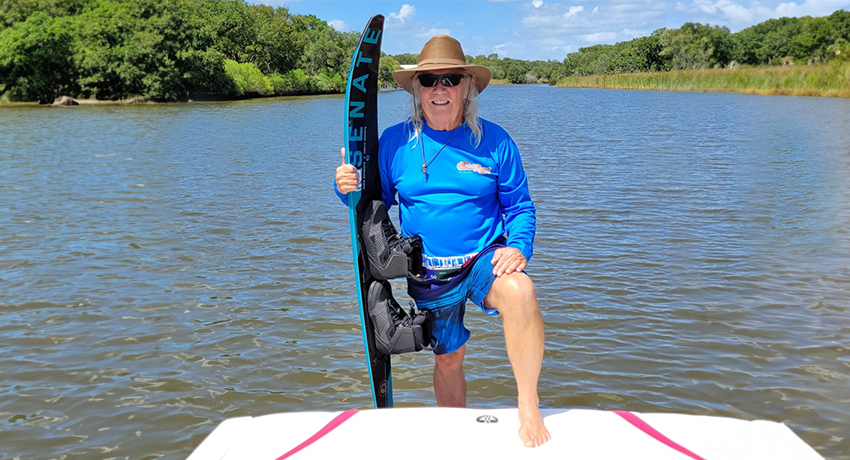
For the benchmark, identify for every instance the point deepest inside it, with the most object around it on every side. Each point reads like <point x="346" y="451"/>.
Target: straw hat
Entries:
<point x="440" y="53"/>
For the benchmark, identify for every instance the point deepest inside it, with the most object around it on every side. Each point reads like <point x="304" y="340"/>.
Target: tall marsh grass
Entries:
<point x="831" y="80"/>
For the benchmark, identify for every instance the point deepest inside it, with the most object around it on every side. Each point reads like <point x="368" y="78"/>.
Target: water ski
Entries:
<point x="361" y="150"/>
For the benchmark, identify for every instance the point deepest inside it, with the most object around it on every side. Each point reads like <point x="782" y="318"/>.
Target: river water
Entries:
<point x="164" y="267"/>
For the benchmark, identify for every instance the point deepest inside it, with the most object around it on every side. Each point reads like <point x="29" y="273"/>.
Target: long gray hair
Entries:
<point x="470" y="111"/>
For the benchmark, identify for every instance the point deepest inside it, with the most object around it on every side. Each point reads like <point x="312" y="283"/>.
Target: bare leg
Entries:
<point x="513" y="295"/>
<point x="449" y="380"/>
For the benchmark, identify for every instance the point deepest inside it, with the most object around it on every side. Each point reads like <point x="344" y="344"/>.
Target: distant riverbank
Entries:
<point x="828" y="80"/>
<point x="4" y="101"/>
<point x="824" y="80"/>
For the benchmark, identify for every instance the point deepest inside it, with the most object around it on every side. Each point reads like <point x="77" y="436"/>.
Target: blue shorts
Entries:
<point x="446" y="300"/>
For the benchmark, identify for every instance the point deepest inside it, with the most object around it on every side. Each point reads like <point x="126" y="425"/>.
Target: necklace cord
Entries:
<point x="422" y="149"/>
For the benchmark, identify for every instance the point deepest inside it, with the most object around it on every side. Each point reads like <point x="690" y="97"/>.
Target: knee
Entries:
<point x="514" y="292"/>
<point x="516" y="288"/>
<point x="451" y="360"/>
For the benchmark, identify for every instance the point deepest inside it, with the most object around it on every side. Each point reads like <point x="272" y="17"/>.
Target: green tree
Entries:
<point x="696" y="46"/>
<point x="265" y="36"/>
<point x="385" y="72"/>
<point x="840" y="47"/>
<point x="840" y="23"/>
<point x="545" y="71"/>
<point x="228" y="27"/>
<point x="770" y="41"/>
<point x="139" y="48"/>
<point x="591" y="60"/>
<point x="813" y="40"/>
<point x="327" y="54"/>
<point x="515" y="70"/>
<point x="645" y="53"/>
<point x="13" y="11"/>
<point x="407" y="59"/>
<point x="36" y="59"/>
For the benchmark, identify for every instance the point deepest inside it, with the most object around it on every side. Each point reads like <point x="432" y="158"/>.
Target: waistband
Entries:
<point x="432" y="289"/>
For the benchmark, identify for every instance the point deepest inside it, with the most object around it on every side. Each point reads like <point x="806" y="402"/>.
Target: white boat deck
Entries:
<point x="440" y="433"/>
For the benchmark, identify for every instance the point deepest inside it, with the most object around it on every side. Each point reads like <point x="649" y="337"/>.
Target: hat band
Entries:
<point x="435" y="62"/>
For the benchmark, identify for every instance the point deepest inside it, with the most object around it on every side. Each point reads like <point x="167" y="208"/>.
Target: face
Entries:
<point x="441" y="105"/>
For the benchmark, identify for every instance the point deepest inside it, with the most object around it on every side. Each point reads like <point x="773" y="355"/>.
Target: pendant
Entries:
<point x="424" y="169"/>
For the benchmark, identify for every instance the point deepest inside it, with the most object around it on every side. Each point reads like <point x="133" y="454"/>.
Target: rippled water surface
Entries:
<point x="163" y="268"/>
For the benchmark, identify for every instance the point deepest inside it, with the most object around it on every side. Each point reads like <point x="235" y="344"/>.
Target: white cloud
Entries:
<point x="599" y="37"/>
<point x="570" y="21"/>
<point x="574" y="10"/>
<point x="409" y="32"/>
<point x="787" y="9"/>
<point x="536" y="21"/>
<point x="509" y="49"/>
<point x="339" y="25"/>
<point x="634" y="33"/>
<point x="810" y="8"/>
<point x="552" y="42"/>
<point x="737" y="16"/>
<point x="731" y="12"/>
<point x="406" y="13"/>
<point x="433" y="31"/>
<point x="579" y="23"/>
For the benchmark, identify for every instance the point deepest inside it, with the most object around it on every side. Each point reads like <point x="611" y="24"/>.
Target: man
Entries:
<point x="461" y="187"/>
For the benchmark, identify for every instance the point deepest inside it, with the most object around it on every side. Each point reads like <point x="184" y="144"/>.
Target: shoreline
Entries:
<point x="4" y="102"/>
<point x="822" y="80"/>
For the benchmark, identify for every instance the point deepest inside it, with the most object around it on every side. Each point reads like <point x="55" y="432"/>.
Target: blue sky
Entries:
<point x="542" y="29"/>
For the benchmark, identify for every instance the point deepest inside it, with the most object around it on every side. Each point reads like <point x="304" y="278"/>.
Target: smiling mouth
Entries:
<point x="440" y="102"/>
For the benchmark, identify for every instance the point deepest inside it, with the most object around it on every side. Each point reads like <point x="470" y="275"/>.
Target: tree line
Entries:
<point x="167" y="50"/>
<point x="781" y="41"/>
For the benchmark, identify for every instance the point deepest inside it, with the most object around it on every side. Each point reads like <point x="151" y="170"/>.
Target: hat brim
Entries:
<point x="404" y="77"/>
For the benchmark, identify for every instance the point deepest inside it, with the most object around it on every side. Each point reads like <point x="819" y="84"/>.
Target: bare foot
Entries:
<point x="532" y="432"/>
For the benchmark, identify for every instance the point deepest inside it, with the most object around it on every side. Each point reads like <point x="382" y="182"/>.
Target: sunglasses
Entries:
<point x="448" y="80"/>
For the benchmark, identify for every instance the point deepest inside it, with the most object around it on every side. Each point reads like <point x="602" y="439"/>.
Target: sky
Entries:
<point x="542" y="29"/>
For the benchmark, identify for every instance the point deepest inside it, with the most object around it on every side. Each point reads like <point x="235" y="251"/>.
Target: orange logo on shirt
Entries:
<point x="467" y="166"/>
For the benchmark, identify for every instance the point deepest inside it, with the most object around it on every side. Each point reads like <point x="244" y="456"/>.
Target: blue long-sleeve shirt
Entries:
<point x="470" y="197"/>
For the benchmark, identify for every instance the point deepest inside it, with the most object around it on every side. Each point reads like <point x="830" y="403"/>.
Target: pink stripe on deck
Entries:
<point x="337" y="421"/>
<point x="646" y="428"/>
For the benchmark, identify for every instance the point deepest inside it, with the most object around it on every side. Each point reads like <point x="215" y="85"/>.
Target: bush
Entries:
<point x="295" y="82"/>
<point x="840" y="51"/>
<point x="330" y="82"/>
<point x="248" y="78"/>
<point x="206" y="73"/>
